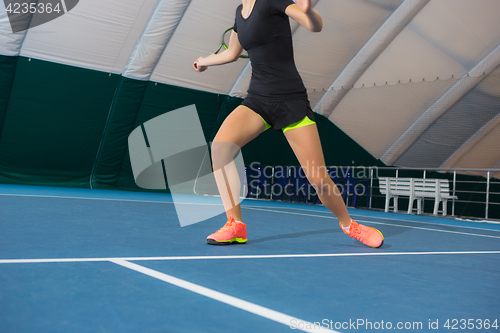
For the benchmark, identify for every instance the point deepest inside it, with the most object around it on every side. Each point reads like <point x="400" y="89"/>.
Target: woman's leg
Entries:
<point x="306" y="145"/>
<point x="240" y="127"/>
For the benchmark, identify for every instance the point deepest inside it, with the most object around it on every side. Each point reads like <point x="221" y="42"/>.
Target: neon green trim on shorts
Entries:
<point x="267" y="126"/>
<point x="304" y="122"/>
<point x="265" y="123"/>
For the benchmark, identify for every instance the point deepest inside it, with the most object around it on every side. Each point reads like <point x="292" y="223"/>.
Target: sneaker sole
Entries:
<point x="228" y="242"/>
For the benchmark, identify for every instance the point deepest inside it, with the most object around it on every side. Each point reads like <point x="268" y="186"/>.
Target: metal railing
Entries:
<point x="459" y="187"/>
<point x="465" y="185"/>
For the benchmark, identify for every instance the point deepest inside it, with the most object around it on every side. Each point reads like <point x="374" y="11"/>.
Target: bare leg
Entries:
<point x="306" y="145"/>
<point x="240" y="127"/>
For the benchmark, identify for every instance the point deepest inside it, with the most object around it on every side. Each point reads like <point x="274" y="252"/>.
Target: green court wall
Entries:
<point x="67" y="126"/>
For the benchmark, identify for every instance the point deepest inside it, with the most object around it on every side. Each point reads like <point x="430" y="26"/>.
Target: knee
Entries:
<point x="223" y="153"/>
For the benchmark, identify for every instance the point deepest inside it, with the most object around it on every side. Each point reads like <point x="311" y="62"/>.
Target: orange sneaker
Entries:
<point x="366" y="235"/>
<point x="232" y="232"/>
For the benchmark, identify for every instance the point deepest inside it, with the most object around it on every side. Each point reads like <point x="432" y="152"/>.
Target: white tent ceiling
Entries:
<point x="377" y="46"/>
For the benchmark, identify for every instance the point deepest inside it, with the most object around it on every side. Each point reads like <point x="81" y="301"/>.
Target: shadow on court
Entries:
<point x="295" y="235"/>
<point x="390" y="231"/>
<point x="75" y="295"/>
<point x="315" y="232"/>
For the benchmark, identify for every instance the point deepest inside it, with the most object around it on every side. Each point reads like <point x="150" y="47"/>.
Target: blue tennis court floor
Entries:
<point x="75" y="260"/>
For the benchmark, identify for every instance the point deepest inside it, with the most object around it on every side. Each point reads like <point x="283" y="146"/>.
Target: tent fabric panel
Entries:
<point x="161" y="26"/>
<point x="421" y="51"/>
<point x="96" y="34"/>
<point x="484" y="154"/>
<point x="54" y="122"/>
<point x="199" y="34"/>
<point x="481" y="17"/>
<point x="448" y="133"/>
<point x="389" y="5"/>
<point x="468" y="153"/>
<point x="347" y="25"/>
<point x="440" y="42"/>
<point x="367" y="54"/>
<point x="376" y="117"/>
<point x="443" y="104"/>
<point x="417" y="59"/>
<point x="10" y="43"/>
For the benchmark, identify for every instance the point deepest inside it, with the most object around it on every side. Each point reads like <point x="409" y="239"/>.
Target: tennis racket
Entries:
<point x="224" y="45"/>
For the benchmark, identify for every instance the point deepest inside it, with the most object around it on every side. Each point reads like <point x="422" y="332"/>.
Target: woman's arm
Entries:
<point x="230" y="55"/>
<point x="305" y="15"/>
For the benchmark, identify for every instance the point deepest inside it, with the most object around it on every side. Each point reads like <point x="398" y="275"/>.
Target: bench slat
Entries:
<point x="416" y="189"/>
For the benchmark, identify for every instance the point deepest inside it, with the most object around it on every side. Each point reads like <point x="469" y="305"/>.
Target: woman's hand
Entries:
<point x="304" y="5"/>
<point x="197" y="67"/>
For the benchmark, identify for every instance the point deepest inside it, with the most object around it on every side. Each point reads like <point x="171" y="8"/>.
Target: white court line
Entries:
<point x="395" y="225"/>
<point x="83" y="198"/>
<point x="382" y="218"/>
<point x="257" y="256"/>
<point x="275" y="211"/>
<point x="107" y="199"/>
<point x="227" y="299"/>
<point x="422" y="222"/>
<point x="249" y="207"/>
<point x="438" y="230"/>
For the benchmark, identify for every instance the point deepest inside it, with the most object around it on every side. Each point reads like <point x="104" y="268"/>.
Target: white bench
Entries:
<point x="416" y="189"/>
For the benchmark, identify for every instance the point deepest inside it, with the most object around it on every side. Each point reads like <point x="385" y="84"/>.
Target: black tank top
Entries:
<point x="267" y="37"/>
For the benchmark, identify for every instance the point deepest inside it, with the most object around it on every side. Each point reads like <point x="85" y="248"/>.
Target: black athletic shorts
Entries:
<point x="280" y="114"/>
